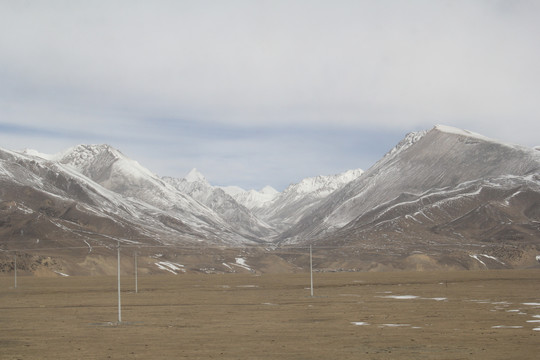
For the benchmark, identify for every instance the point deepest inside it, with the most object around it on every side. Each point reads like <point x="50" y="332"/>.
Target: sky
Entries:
<point x="255" y="93"/>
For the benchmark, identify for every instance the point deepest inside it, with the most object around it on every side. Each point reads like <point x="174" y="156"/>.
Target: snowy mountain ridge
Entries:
<point x="253" y="199"/>
<point x="409" y="140"/>
<point x="441" y="158"/>
<point x="234" y="213"/>
<point x="433" y="200"/>
<point x="195" y="176"/>
<point x="322" y="185"/>
<point x="258" y="209"/>
<point x="288" y="207"/>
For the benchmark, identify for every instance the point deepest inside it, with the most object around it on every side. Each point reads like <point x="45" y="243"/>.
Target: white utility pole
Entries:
<point x="119" y="303"/>
<point x="15" y="270"/>
<point x="136" y="280"/>
<point x="311" y="268"/>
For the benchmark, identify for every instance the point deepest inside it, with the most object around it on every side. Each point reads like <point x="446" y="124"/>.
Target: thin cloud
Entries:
<point x="221" y="73"/>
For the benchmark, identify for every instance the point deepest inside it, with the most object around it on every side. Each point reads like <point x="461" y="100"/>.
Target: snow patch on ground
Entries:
<point x="241" y="262"/>
<point x="411" y="297"/>
<point x="477" y="257"/>
<point x="507" y="327"/>
<point x="363" y="323"/>
<point x="400" y="297"/>
<point x="170" y="267"/>
<point x="493" y="258"/>
<point x="24" y="209"/>
<point x="89" y="246"/>
<point x="394" y="325"/>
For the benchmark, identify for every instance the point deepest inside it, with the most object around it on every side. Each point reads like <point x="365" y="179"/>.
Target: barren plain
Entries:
<point x="353" y="315"/>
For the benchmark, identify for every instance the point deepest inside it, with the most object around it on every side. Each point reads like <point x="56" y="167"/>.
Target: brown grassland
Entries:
<point x="455" y="315"/>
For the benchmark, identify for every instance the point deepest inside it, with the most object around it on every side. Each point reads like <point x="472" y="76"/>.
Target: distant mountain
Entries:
<point x="104" y="184"/>
<point x="252" y="199"/>
<point x="440" y="199"/>
<point x="444" y="186"/>
<point x="44" y="204"/>
<point x="286" y="209"/>
<point x="241" y="219"/>
<point x="111" y="169"/>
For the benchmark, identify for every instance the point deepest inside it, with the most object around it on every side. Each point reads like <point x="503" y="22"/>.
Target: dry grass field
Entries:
<point x="397" y="315"/>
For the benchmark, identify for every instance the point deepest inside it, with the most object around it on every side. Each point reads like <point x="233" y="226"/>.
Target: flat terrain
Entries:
<point x="398" y="315"/>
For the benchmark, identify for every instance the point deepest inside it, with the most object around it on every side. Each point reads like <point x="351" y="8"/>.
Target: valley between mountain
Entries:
<point x="441" y="199"/>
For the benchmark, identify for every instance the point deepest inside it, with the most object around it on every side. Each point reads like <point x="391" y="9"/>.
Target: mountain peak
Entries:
<point x="86" y="151"/>
<point x="323" y="185"/>
<point x="268" y="190"/>
<point x="33" y="152"/>
<point x="94" y="148"/>
<point x="195" y="176"/>
<point x="452" y="130"/>
<point x="409" y="140"/>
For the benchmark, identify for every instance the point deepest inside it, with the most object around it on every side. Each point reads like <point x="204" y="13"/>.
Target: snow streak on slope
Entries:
<point x="297" y="200"/>
<point x="443" y="157"/>
<point x="409" y="140"/>
<point x="241" y="219"/>
<point x="323" y="186"/>
<point x="52" y="194"/>
<point x="253" y="199"/>
<point x="436" y="188"/>
<point x="111" y="169"/>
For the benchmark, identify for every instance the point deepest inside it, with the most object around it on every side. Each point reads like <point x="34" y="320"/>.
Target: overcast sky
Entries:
<point x="256" y="93"/>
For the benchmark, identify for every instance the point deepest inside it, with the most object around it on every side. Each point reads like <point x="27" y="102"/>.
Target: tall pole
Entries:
<point x="15" y="270"/>
<point x="136" y="280"/>
<point x="119" y="303"/>
<point x="311" y="268"/>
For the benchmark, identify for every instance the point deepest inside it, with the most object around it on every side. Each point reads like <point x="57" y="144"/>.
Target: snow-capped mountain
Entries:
<point x="236" y="215"/>
<point x="160" y="204"/>
<point x="193" y="184"/>
<point x="194" y="176"/>
<point x="45" y="202"/>
<point x="111" y="169"/>
<point x="286" y="209"/>
<point x="252" y="199"/>
<point x="433" y="201"/>
<point x="445" y="161"/>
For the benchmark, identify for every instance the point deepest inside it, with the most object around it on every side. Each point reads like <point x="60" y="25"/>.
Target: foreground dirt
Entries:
<point x="398" y="315"/>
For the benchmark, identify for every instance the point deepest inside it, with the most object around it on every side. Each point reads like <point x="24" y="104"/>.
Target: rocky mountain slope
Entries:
<point x="286" y="209"/>
<point x="442" y="158"/>
<point x="91" y="185"/>
<point x="236" y="215"/>
<point x="435" y="193"/>
<point x="253" y="199"/>
<point x="443" y="198"/>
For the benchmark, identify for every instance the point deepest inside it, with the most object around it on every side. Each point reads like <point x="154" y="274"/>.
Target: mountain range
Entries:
<point x="443" y="198"/>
